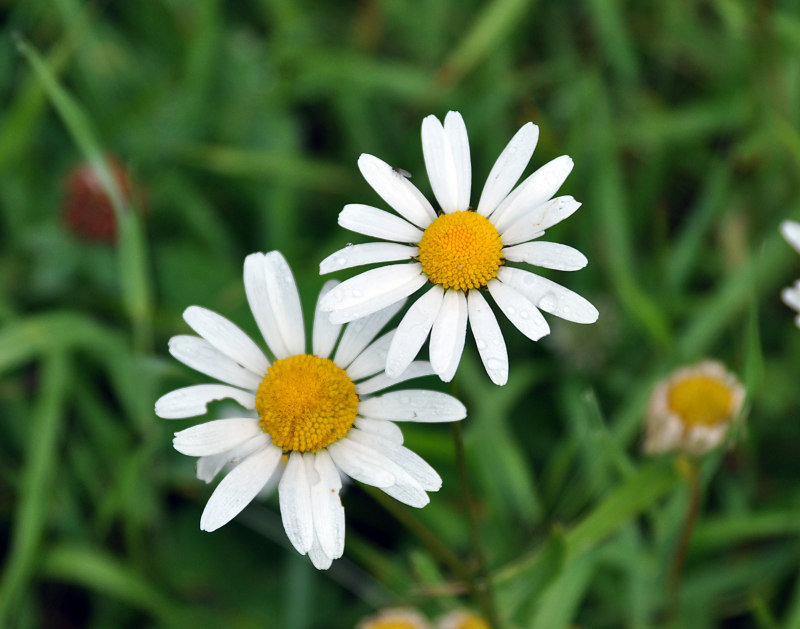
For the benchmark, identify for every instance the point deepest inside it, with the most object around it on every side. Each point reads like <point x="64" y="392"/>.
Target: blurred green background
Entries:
<point x="239" y="125"/>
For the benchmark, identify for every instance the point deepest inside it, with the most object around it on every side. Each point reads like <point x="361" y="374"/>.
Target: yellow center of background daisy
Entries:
<point x="461" y="250"/>
<point x="701" y="401"/>
<point x="306" y="403"/>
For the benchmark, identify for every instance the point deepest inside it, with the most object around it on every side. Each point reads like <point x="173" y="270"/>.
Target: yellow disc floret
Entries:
<point x="461" y="250"/>
<point x="701" y="400"/>
<point x="306" y="403"/>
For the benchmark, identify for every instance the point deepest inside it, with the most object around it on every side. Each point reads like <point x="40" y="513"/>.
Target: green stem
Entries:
<point x="695" y="499"/>
<point x="482" y="585"/>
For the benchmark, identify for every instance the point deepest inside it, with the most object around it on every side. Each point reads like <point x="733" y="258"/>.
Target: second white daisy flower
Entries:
<point x="461" y="252"/>
<point x="318" y="412"/>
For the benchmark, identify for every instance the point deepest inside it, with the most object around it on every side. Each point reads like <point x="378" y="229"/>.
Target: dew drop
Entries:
<point x="356" y="293"/>
<point x="481" y="345"/>
<point x="548" y="302"/>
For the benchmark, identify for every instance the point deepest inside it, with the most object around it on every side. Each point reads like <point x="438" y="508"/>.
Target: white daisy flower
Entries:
<point x="693" y="409"/>
<point x="791" y="294"/>
<point x="460" y="252"/>
<point x="318" y="412"/>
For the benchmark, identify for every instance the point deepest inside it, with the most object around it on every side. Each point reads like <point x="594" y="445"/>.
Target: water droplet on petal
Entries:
<point x="548" y="302"/>
<point x="481" y="345"/>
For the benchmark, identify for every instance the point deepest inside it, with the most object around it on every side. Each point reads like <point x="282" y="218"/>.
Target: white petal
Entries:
<point x="285" y="302"/>
<point x="361" y="332"/>
<point x="239" y="487"/>
<point x="294" y="494"/>
<point x="405" y="488"/>
<point x="372" y="360"/>
<point x="194" y="400"/>
<point x="255" y="286"/>
<point x="549" y="255"/>
<point x="409" y="461"/>
<point x="791" y="232"/>
<point x="372" y="290"/>
<point x="448" y="334"/>
<point x="508" y="168"/>
<point x="318" y="558"/>
<point x="791" y="297"/>
<point x="370" y="221"/>
<point x="325" y="502"/>
<point x="325" y="333"/>
<point x="199" y="354"/>
<point x="413" y="330"/>
<point x="549" y="296"/>
<point x="360" y="463"/>
<point x="520" y="310"/>
<point x="488" y="338"/>
<point x="215" y="436"/>
<point x="440" y="164"/>
<point x="402" y="195"/>
<point x="413" y="405"/>
<point x="534" y="191"/>
<point x="208" y="467"/>
<point x="456" y="132"/>
<point x="381" y="427"/>
<point x="227" y="338"/>
<point x="416" y="369"/>
<point x="533" y="223"/>
<point x="368" y="253"/>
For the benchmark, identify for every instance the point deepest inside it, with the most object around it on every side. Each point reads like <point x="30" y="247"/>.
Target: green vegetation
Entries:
<point x="239" y="124"/>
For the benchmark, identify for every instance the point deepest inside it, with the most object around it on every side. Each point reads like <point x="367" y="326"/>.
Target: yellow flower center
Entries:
<point x="461" y="250"/>
<point x="393" y="624"/>
<point x="306" y="403"/>
<point x="701" y="401"/>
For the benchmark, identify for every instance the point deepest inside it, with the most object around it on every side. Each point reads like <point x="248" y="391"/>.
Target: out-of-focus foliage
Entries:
<point x="239" y="124"/>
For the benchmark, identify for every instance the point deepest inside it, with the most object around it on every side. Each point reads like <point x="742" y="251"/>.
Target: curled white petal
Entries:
<point x="194" y="400"/>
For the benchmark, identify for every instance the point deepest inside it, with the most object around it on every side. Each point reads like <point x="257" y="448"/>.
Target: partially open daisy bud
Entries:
<point x="692" y="410"/>
<point x="395" y="618"/>
<point x="462" y="619"/>
<point x="87" y="210"/>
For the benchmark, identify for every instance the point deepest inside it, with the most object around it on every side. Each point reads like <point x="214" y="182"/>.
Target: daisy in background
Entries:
<point x="318" y="412"/>
<point x="791" y="295"/>
<point x="693" y="409"/>
<point x="462" y="253"/>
